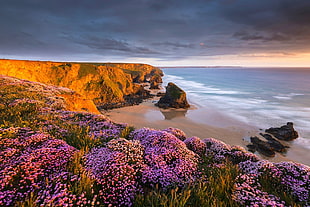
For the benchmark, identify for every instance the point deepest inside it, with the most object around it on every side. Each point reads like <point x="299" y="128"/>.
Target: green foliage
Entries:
<point x="10" y="93"/>
<point x="75" y="135"/>
<point x="29" y="202"/>
<point x="174" y="198"/>
<point x="174" y="91"/>
<point x="214" y="190"/>
<point x="86" y="69"/>
<point x="20" y="115"/>
<point x="85" y="183"/>
<point x="269" y="184"/>
<point x="125" y="132"/>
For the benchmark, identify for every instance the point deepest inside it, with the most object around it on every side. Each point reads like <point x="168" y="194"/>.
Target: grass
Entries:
<point x="125" y="132"/>
<point x="86" y="183"/>
<point x="215" y="192"/>
<point x="86" y="69"/>
<point x="271" y="185"/>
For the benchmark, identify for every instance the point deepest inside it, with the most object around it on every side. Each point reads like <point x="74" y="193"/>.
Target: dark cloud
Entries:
<point x="289" y="18"/>
<point x="163" y="29"/>
<point x="112" y="44"/>
<point x="261" y="37"/>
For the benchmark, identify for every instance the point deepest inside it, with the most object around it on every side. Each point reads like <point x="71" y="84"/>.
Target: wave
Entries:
<point x="287" y="96"/>
<point x="303" y="142"/>
<point x="262" y="107"/>
<point x="196" y="87"/>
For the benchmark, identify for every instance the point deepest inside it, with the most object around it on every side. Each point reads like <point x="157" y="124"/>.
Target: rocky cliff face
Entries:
<point x="101" y="82"/>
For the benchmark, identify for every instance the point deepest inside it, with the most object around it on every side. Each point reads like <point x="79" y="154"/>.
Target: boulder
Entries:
<point x="274" y="144"/>
<point x="262" y="147"/>
<point x="175" y="97"/>
<point x="286" y="132"/>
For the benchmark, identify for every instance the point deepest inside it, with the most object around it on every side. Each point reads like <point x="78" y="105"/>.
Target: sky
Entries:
<point x="158" y="32"/>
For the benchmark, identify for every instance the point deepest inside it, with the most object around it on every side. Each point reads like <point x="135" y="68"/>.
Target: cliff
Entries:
<point x="15" y="92"/>
<point x="101" y="82"/>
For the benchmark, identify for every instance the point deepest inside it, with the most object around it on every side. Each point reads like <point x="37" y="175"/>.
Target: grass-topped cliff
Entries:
<point x="53" y="156"/>
<point x="101" y="82"/>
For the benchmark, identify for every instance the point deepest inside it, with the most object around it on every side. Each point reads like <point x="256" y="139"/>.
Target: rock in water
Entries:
<point x="175" y="97"/>
<point x="286" y="132"/>
<point x="274" y="144"/>
<point x="262" y="147"/>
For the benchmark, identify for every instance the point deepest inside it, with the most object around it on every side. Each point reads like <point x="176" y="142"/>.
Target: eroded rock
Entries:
<point x="175" y="97"/>
<point x="286" y="132"/>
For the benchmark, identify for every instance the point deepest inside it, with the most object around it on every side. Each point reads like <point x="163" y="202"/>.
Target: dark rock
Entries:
<point x="286" y="132"/>
<point x="274" y="144"/>
<point x="262" y="147"/>
<point x="160" y="94"/>
<point x="251" y="148"/>
<point x="155" y="80"/>
<point x="130" y="100"/>
<point x="175" y="97"/>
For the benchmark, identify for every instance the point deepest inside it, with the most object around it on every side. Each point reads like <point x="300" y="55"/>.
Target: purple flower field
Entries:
<point x="50" y="156"/>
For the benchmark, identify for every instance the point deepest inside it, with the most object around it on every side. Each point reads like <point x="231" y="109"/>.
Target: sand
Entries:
<point x="203" y="123"/>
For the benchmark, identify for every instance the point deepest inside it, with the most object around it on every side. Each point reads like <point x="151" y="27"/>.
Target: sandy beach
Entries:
<point x="199" y="122"/>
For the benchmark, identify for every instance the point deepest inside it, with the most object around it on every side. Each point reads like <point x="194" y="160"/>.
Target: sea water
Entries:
<point x="261" y="97"/>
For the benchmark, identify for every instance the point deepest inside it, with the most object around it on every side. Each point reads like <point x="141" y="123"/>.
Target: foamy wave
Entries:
<point x="302" y="142"/>
<point x="287" y="96"/>
<point x="196" y="87"/>
<point x="283" y="97"/>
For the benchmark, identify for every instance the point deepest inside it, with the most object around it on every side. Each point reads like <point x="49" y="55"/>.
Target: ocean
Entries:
<point x="259" y="97"/>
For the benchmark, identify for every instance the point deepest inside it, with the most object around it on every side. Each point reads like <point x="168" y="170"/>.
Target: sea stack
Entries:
<point x="286" y="132"/>
<point x="175" y="97"/>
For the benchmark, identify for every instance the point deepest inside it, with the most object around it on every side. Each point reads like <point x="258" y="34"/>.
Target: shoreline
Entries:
<point x="196" y="121"/>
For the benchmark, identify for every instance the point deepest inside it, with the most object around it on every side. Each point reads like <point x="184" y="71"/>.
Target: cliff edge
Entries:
<point x="104" y="83"/>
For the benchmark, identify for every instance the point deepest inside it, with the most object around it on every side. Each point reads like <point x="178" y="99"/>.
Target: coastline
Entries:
<point x="203" y="123"/>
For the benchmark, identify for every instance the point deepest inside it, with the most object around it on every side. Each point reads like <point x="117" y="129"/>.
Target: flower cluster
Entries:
<point x="48" y="94"/>
<point x="169" y="161"/>
<point x="132" y="149"/>
<point x="294" y="178"/>
<point x="100" y="127"/>
<point x="196" y="145"/>
<point x="27" y="158"/>
<point x="178" y="133"/>
<point x="115" y="177"/>
<point x="291" y="178"/>
<point x="247" y="192"/>
<point x="220" y="152"/>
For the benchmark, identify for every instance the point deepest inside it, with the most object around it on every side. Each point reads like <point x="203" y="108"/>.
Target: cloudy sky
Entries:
<point x="158" y="32"/>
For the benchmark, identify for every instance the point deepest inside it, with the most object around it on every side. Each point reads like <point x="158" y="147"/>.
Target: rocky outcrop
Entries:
<point x="155" y="81"/>
<point x="267" y="148"/>
<point x="104" y="83"/>
<point x="261" y="146"/>
<point x="175" y="97"/>
<point x="286" y="132"/>
<point x="272" y="145"/>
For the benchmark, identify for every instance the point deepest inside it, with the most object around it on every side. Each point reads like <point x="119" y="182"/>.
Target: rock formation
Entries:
<point x="175" y="97"/>
<point x="155" y="80"/>
<point x="272" y="145"/>
<point x="286" y="132"/>
<point x="261" y="146"/>
<point x="107" y="84"/>
<point x="267" y="148"/>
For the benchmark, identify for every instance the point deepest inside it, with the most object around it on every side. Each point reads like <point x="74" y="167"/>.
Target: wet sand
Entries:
<point x="199" y="122"/>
